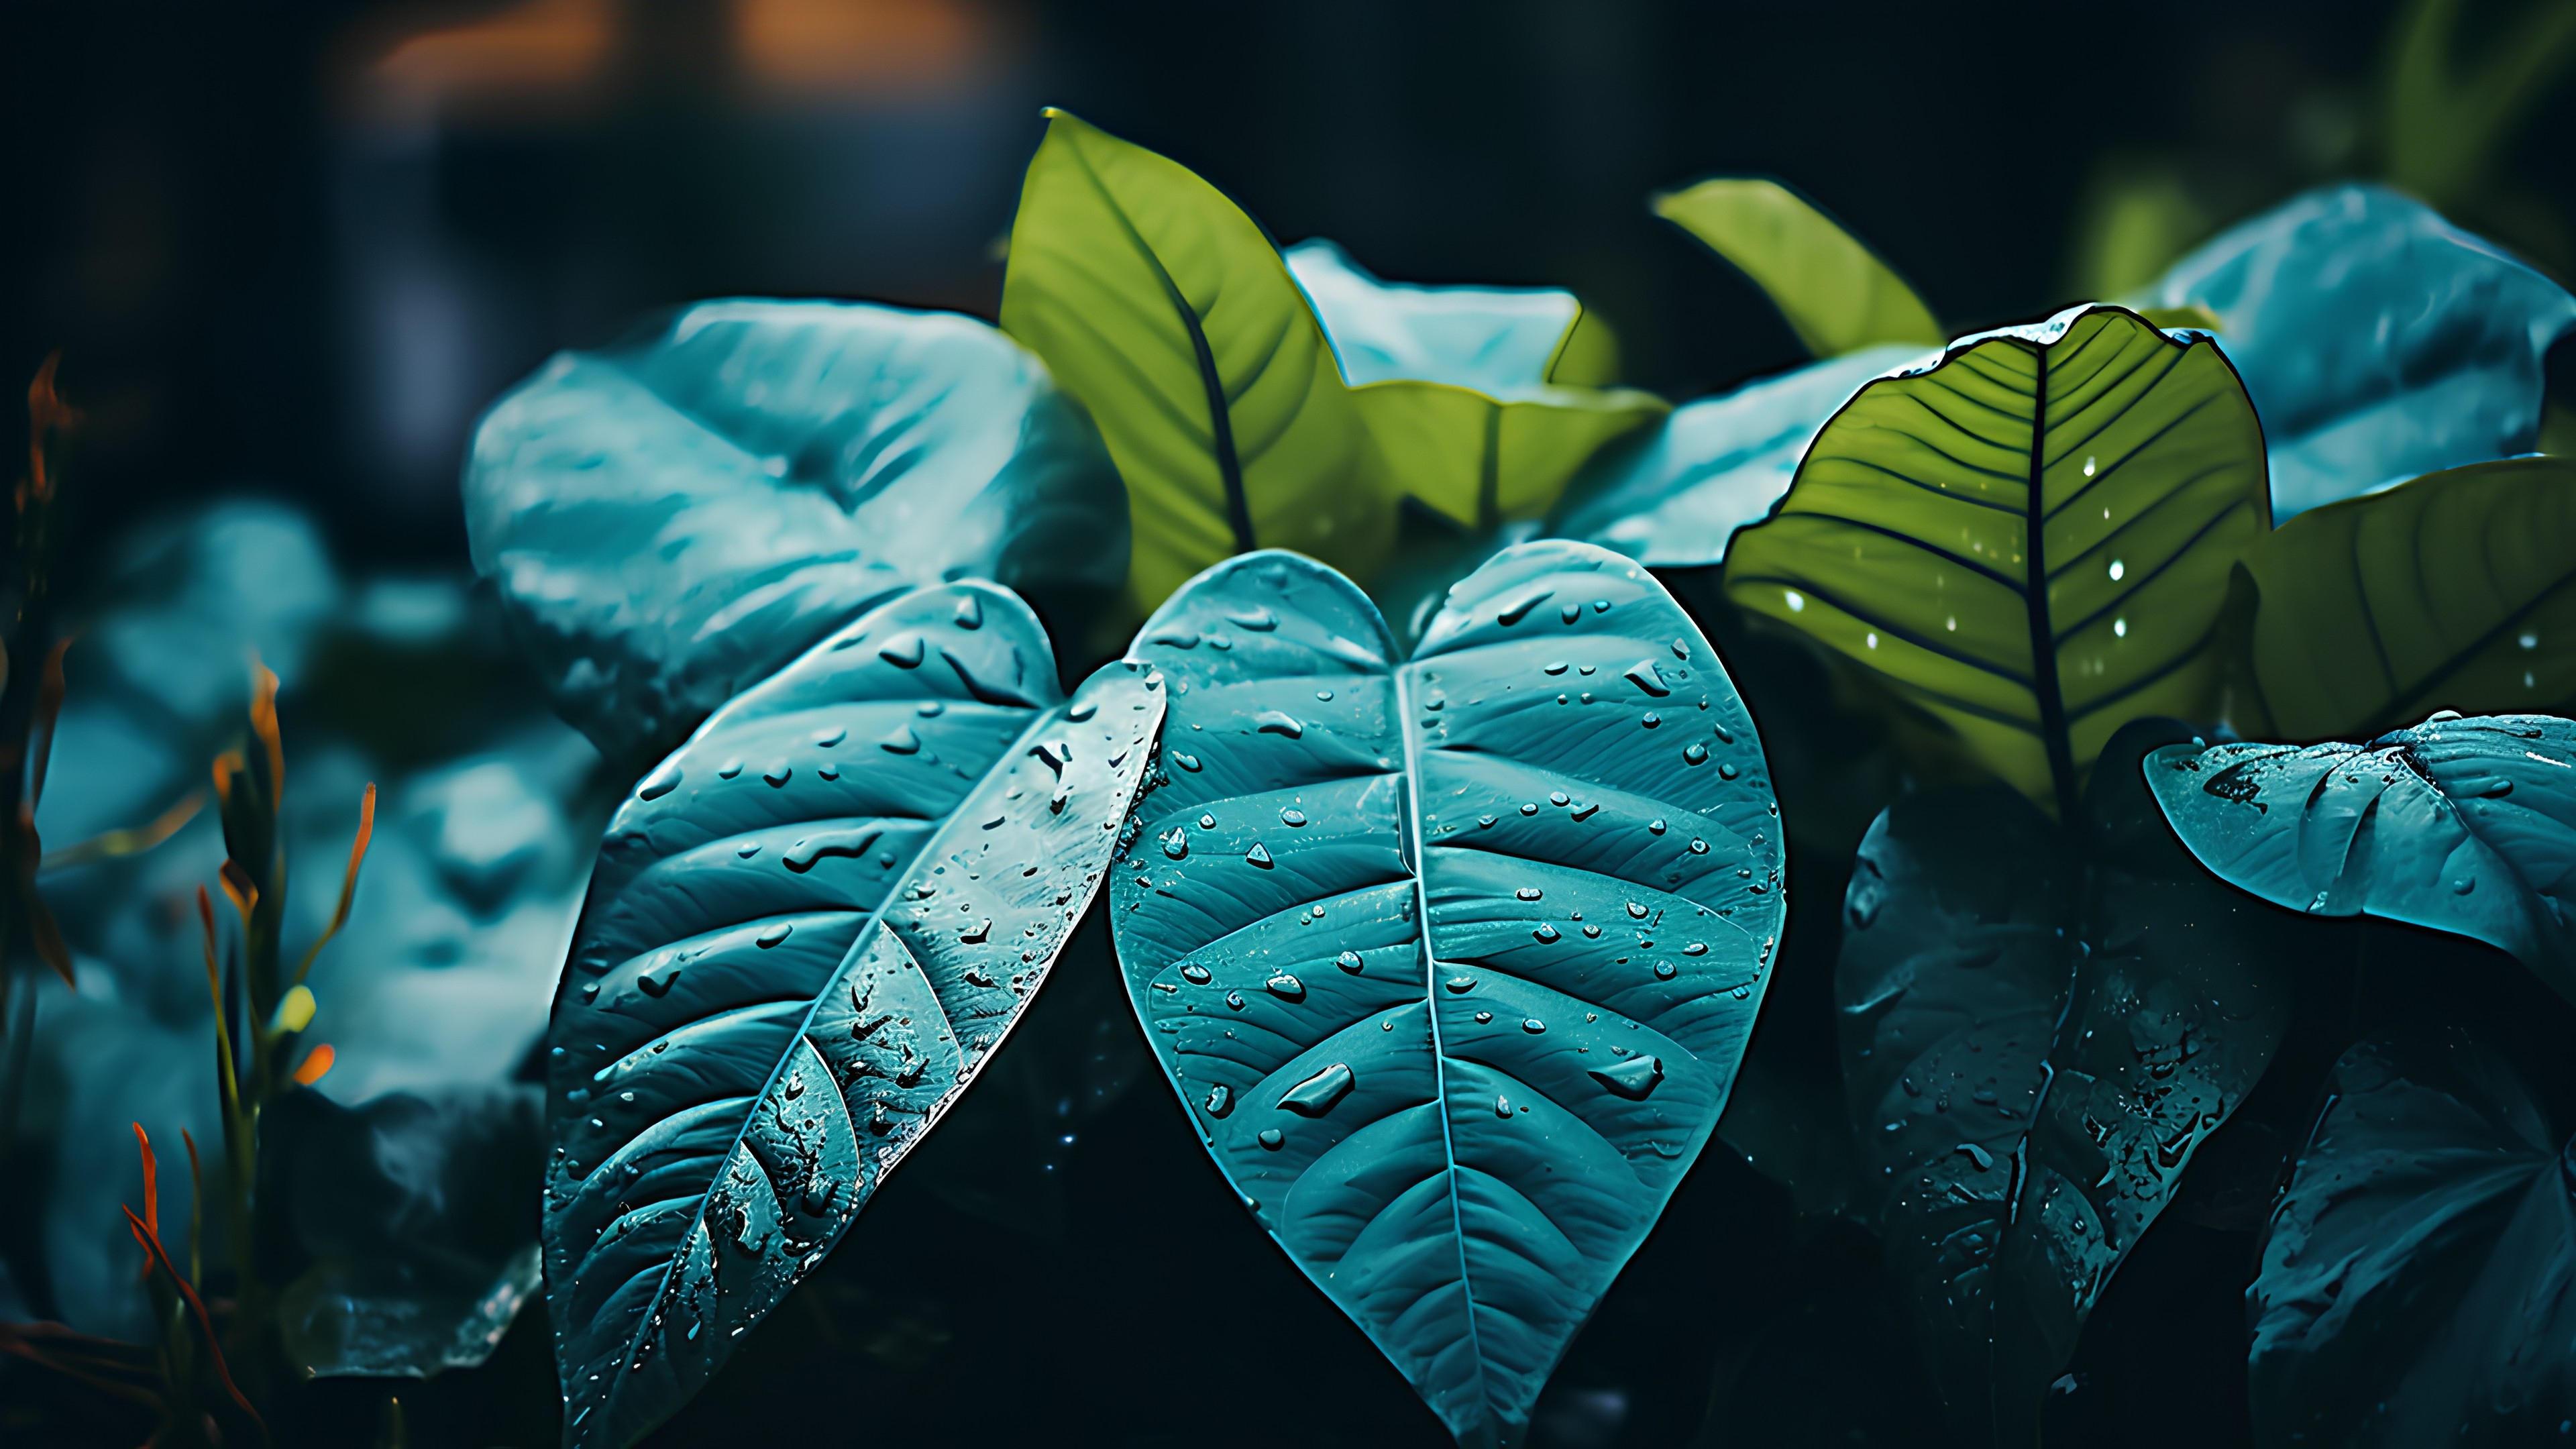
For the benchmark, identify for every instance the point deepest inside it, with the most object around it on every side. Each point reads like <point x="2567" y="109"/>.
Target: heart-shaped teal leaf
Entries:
<point x="1452" y="961"/>
<point x="808" y="930"/>
<point x="2419" y="1282"/>
<point x="2377" y="340"/>
<point x="2462" y="825"/>
<point x="673" y="519"/>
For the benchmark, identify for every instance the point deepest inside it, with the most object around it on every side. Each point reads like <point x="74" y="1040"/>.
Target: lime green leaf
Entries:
<point x="2456" y="591"/>
<point x="1458" y="385"/>
<point x="2030" y="541"/>
<point x="1834" y="291"/>
<point x="1161" y="306"/>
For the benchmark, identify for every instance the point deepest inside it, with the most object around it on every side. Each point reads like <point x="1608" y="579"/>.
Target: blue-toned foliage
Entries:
<point x="674" y="518"/>
<point x="1452" y="961"/>
<point x="2378" y="341"/>
<point x="1500" y="341"/>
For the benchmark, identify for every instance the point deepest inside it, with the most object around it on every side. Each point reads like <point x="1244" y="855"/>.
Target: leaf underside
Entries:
<point x="751" y="1030"/>
<point x="1461" y="1132"/>
<point x="2455" y="591"/>
<point x="2030" y="541"/>
<point x="2460" y="825"/>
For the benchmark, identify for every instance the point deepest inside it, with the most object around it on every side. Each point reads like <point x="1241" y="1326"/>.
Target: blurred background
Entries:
<point x="289" y="250"/>
<point x="294" y="248"/>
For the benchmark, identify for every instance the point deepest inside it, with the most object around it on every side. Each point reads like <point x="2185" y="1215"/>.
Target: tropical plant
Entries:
<point x="1445" y="866"/>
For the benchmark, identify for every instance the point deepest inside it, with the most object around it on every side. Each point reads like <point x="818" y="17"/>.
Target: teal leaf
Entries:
<point x="1672" y="497"/>
<point x="2419" y="1282"/>
<point x="808" y="931"/>
<point x="408" y="1239"/>
<point x="2035" y="1041"/>
<point x="1459" y="1133"/>
<point x="674" y="518"/>
<point x="2460" y="825"/>
<point x="2377" y="340"/>
<point x="1500" y="341"/>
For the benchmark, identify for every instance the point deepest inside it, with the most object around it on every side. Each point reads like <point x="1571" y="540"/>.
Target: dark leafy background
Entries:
<point x="270" y="278"/>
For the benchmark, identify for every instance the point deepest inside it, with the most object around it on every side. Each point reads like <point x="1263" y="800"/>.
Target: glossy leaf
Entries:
<point x="1469" y="392"/>
<point x="2030" y="541"/>
<point x="1451" y="961"/>
<point x="2462" y="825"/>
<point x="2378" y="340"/>
<point x="1833" y="291"/>
<point x="408" y="1239"/>
<point x="2456" y="591"/>
<point x="673" y="519"/>
<point x="1164" y="308"/>
<point x="745" y="1042"/>
<point x="1673" y="496"/>
<point x="2419" y="1282"/>
<point x="2036" y="1040"/>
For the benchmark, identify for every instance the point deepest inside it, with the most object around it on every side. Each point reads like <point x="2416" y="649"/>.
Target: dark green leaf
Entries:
<point x="745" y="1043"/>
<point x="408" y="1236"/>
<point x="2378" y="340"/>
<point x="2030" y="541"/>
<point x="2419" y="1284"/>
<point x="673" y="519"/>
<point x="2464" y="825"/>
<point x="1459" y="1133"/>
<point x="2039" y="1029"/>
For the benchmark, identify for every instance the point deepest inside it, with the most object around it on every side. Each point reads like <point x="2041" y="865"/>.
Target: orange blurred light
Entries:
<point x="857" y="49"/>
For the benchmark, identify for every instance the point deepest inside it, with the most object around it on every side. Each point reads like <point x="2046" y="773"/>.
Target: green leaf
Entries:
<point x="744" y="1043"/>
<point x="1673" y="496"/>
<point x="1460" y="386"/>
<point x="2456" y="591"/>
<point x="2377" y="340"/>
<point x="783" y="467"/>
<point x="1451" y="961"/>
<point x="2416" y="1286"/>
<point x="1833" y="291"/>
<point x="2035" y="1041"/>
<point x="408" y="1236"/>
<point x="2030" y="541"/>
<point x="2461" y="825"/>
<point x="1163" y="307"/>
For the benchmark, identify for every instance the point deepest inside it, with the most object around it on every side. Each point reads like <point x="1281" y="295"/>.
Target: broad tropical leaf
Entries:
<point x="1452" y="961"/>
<point x="2456" y="591"/>
<point x="1164" y="308"/>
<point x="1672" y="497"/>
<point x="408" y="1239"/>
<point x="1469" y="391"/>
<point x="745" y="1042"/>
<point x="2030" y="540"/>
<point x="2462" y="825"/>
<point x="2378" y="340"/>
<point x="2419" y="1283"/>
<point x="2036" y="1040"/>
<point x="674" y="518"/>
<point x="1834" y="291"/>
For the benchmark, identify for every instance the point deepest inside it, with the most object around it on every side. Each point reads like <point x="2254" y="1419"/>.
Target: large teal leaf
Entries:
<point x="745" y="1042"/>
<point x="674" y="518"/>
<point x="1672" y="497"/>
<point x="2462" y="825"/>
<point x="2378" y="340"/>
<point x="2419" y="1282"/>
<point x="2036" y="1040"/>
<point x="1452" y="961"/>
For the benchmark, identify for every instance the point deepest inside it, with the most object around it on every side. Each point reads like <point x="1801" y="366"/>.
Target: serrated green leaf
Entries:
<point x="1461" y="386"/>
<point x="1452" y="961"/>
<point x="2462" y="825"/>
<point x="1834" y="291"/>
<point x="1160" y="305"/>
<point x="2030" y="541"/>
<point x="808" y="931"/>
<point x="2456" y="591"/>
<point x="2036" y="1039"/>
